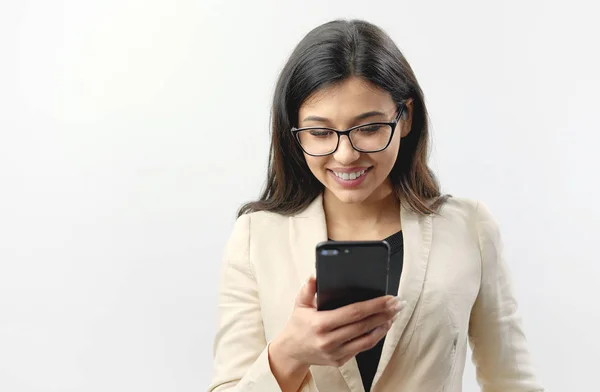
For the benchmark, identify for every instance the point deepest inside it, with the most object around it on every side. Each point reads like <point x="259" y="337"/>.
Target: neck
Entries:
<point x="380" y="208"/>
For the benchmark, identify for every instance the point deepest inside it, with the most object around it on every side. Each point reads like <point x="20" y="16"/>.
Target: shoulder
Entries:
<point x="466" y="212"/>
<point x="470" y="216"/>
<point x="260" y="220"/>
<point x="248" y="228"/>
<point x="457" y="209"/>
<point x="253" y="223"/>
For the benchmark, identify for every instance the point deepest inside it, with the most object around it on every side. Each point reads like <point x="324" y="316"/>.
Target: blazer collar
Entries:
<point x="308" y="228"/>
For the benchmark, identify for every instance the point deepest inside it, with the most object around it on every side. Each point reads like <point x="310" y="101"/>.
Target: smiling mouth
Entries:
<point x="350" y="176"/>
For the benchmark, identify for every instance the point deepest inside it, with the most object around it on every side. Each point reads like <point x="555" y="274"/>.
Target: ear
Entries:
<point x="406" y="117"/>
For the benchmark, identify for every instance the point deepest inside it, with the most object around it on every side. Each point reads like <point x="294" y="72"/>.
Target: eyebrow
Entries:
<point x="363" y="116"/>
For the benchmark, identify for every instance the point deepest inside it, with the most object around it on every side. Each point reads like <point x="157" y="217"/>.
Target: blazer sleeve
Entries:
<point x="240" y="349"/>
<point x="500" y="351"/>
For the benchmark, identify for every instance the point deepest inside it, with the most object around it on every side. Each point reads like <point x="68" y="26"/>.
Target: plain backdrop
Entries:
<point x="131" y="131"/>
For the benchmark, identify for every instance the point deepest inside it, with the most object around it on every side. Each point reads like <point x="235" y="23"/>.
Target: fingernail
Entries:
<point x="399" y="306"/>
<point x="396" y="304"/>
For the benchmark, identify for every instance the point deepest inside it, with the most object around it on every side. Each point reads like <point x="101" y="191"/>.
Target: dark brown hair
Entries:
<point x="328" y="55"/>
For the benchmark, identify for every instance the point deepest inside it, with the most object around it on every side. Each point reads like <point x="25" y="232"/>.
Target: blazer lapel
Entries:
<point x="307" y="229"/>
<point x="417" y="234"/>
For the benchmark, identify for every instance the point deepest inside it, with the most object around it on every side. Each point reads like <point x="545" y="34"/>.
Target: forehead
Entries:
<point x="347" y="99"/>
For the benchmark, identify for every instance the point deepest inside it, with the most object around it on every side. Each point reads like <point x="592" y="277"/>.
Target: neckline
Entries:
<point x="395" y="241"/>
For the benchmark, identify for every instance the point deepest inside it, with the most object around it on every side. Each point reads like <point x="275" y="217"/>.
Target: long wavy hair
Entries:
<point x="328" y="55"/>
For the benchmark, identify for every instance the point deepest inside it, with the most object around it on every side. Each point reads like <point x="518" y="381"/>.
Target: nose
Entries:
<point x="345" y="154"/>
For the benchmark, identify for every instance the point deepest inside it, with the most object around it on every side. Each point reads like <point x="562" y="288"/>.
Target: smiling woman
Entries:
<point x="348" y="161"/>
<point x="348" y="166"/>
<point x="343" y="74"/>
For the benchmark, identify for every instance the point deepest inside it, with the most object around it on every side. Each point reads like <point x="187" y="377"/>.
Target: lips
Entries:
<point x="349" y="175"/>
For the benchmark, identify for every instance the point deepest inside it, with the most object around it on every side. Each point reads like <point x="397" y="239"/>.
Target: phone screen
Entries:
<point x="351" y="271"/>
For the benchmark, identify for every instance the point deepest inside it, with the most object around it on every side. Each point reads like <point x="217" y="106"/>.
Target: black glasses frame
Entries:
<point x="392" y="124"/>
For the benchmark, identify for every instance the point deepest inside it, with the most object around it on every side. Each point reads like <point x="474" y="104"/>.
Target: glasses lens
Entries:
<point x="318" y="141"/>
<point x="371" y="137"/>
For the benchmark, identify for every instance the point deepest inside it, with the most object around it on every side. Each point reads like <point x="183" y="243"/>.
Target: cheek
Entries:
<point x="315" y="164"/>
<point x="387" y="158"/>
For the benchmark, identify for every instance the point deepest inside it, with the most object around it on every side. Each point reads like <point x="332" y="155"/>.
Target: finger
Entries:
<point x="364" y="342"/>
<point x="342" y="361"/>
<point x="352" y="331"/>
<point x="352" y="313"/>
<point x="306" y="296"/>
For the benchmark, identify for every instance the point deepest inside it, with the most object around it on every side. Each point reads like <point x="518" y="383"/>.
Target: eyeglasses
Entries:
<point x="367" y="138"/>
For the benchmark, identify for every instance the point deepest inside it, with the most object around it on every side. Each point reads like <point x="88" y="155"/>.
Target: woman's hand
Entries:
<point x="330" y="337"/>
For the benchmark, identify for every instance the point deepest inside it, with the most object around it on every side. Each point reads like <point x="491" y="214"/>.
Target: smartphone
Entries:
<point x="351" y="271"/>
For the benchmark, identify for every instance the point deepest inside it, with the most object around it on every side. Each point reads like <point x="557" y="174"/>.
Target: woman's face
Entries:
<point x="343" y="106"/>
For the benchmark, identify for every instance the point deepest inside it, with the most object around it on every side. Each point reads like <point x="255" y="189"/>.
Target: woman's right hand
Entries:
<point x="330" y="337"/>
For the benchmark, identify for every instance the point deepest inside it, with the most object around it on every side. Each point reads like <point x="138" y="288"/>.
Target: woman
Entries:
<point x="348" y="161"/>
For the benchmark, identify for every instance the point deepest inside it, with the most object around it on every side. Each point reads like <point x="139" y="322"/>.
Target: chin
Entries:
<point x="351" y="196"/>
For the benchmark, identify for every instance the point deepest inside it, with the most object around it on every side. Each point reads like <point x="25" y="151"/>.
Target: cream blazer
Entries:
<point x="455" y="281"/>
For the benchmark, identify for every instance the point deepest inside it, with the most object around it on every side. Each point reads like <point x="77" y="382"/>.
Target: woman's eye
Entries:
<point x="318" y="133"/>
<point x="370" y="129"/>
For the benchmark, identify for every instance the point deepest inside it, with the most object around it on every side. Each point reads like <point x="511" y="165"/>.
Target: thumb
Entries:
<point x="306" y="296"/>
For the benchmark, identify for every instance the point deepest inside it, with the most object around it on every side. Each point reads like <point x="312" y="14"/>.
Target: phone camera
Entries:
<point x="346" y="251"/>
<point x="329" y="252"/>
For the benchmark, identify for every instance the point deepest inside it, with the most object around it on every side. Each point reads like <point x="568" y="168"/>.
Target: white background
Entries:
<point x="130" y="132"/>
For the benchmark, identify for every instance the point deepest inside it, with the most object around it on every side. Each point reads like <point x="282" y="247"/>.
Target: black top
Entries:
<point x="368" y="360"/>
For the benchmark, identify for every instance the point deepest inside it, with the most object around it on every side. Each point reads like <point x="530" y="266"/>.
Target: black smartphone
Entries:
<point x="351" y="271"/>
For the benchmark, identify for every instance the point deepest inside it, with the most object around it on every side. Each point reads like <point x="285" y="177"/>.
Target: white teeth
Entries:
<point x="350" y="176"/>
